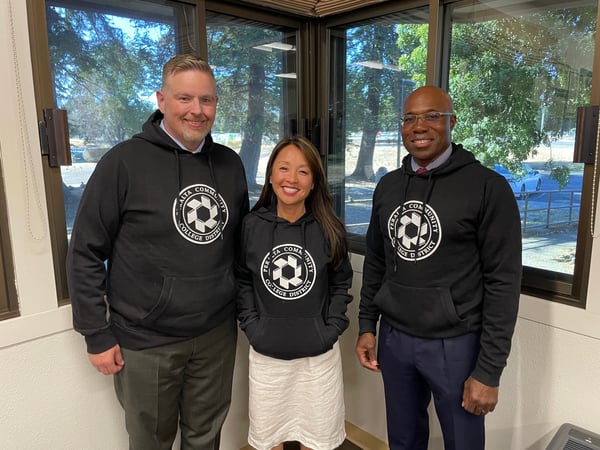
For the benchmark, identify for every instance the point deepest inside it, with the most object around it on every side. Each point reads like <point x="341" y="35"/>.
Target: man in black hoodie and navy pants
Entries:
<point x="163" y="211"/>
<point x="442" y="274"/>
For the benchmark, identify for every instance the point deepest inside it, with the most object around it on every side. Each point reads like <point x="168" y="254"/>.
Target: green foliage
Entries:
<point x="251" y="97"/>
<point x="105" y="70"/>
<point x="380" y="75"/>
<point x="509" y="78"/>
<point x="377" y="44"/>
<point x="492" y="92"/>
<point x="559" y="173"/>
<point x="412" y="40"/>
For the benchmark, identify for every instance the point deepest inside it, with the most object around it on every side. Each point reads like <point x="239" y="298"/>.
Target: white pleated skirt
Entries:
<point x="298" y="400"/>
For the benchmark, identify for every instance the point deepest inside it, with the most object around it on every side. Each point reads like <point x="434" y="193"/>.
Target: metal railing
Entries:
<point x="545" y="209"/>
<point x="539" y="209"/>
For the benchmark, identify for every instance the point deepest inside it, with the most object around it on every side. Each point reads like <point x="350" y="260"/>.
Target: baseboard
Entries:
<point x="358" y="437"/>
<point x="362" y="439"/>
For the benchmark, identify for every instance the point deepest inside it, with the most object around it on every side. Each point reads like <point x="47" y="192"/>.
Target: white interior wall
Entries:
<point x="53" y="398"/>
<point x="551" y="377"/>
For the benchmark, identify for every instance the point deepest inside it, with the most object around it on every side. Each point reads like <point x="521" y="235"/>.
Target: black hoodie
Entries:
<point x="166" y="222"/>
<point x="292" y="301"/>
<point x="451" y="267"/>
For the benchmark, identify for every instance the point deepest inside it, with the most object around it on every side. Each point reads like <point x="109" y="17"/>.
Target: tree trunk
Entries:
<point x="254" y="125"/>
<point x="374" y="82"/>
<point x="364" y="163"/>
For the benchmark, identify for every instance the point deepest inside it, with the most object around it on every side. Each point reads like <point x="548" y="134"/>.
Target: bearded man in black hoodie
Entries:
<point x="150" y="266"/>
<point x="442" y="275"/>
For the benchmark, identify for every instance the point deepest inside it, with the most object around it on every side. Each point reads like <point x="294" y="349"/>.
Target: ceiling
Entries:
<point x="314" y="8"/>
<point x="322" y="8"/>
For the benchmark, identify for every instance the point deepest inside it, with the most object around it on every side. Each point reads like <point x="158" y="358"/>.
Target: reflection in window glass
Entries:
<point x="255" y="68"/>
<point x="517" y="78"/>
<point x="106" y="68"/>
<point x="384" y="61"/>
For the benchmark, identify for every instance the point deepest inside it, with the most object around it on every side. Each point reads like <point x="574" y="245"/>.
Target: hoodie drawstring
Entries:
<point x="178" y="212"/>
<point x="214" y="180"/>
<point x="426" y="197"/>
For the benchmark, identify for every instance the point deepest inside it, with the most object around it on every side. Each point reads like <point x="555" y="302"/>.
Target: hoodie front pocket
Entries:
<point x="186" y="303"/>
<point x="290" y="337"/>
<point x="426" y="312"/>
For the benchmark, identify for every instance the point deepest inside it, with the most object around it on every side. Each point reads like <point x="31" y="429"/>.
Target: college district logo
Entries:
<point x="416" y="231"/>
<point x="203" y="214"/>
<point x="288" y="272"/>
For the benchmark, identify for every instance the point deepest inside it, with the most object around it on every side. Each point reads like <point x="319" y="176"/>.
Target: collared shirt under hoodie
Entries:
<point x="166" y="221"/>
<point x="444" y="257"/>
<point x="292" y="301"/>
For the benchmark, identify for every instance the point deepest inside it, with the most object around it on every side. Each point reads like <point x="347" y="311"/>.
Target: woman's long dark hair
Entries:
<point x="319" y="200"/>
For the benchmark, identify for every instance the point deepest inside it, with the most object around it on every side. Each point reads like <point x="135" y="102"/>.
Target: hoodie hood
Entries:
<point x="155" y="135"/>
<point x="459" y="159"/>
<point x="270" y="215"/>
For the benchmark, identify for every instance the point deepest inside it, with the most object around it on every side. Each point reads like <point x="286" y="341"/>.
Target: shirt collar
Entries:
<point x="162" y="125"/>
<point x="436" y="162"/>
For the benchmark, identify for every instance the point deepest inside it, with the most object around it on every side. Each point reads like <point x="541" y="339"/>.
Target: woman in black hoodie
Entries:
<point x="294" y="278"/>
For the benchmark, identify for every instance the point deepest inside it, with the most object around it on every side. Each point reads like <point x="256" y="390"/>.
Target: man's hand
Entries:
<point x="108" y="362"/>
<point x="365" y="350"/>
<point x="478" y="398"/>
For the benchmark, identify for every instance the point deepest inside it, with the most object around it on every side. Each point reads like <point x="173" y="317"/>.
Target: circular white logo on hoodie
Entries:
<point x="200" y="214"/>
<point x="288" y="272"/>
<point x="414" y="230"/>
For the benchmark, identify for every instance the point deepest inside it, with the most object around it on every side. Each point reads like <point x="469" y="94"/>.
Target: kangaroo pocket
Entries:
<point x="188" y="305"/>
<point x="289" y="338"/>
<point x="426" y="312"/>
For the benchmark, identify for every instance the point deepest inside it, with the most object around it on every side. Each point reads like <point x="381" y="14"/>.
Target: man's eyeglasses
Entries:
<point x="429" y="118"/>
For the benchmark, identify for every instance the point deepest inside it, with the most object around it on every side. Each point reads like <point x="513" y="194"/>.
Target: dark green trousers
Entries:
<point x="187" y="383"/>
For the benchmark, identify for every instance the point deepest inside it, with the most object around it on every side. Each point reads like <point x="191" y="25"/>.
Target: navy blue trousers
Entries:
<point x="413" y="370"/>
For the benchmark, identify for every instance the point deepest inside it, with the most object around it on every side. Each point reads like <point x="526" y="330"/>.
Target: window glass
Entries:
<point x="106" y="63"/>
<point x="383" y="61"/>
<point x="255" y="67"/>
<point x="517" y="75"/>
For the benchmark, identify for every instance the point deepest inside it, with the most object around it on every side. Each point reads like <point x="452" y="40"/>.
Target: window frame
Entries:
<point x="307" y="43"/>
<point x="9" y="305"/>
<point x="317" y="122"/>
<point x="541" y="283"/>
<point x="38" y="37"/>
<point x="40" y="60"/>
<point x="43" y="91"/>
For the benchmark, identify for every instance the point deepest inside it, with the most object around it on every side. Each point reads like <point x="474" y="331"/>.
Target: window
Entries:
<point x="517" y="71"/>
<point x="102" y="63"/>
<point x="375" y="66"/>
<point x="255" y="67"/>
<point x="517" y="75"/>
<point x="8" y="295"/>
<point x="106" y="66"/>
<point x="536" y="61"/>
